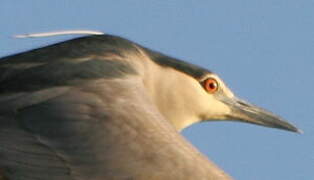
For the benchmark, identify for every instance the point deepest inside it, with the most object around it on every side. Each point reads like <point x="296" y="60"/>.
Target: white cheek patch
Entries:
<point x="216" y="109"/>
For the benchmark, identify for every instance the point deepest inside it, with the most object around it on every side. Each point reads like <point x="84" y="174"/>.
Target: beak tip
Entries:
<point x="294" y="129"/>
<point x="299" y="131"/>
<point x="291" y="128"/>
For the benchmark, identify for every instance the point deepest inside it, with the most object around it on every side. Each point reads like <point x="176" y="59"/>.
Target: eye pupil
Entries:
<point x="212" y="85"/>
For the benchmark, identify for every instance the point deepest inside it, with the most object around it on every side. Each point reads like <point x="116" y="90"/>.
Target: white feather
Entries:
<point x="57" y="33"/>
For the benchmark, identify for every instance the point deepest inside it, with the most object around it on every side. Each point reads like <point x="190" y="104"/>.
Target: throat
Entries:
<point x="182" y="122"/>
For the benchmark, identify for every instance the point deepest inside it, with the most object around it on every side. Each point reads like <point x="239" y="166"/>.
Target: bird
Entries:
<point x="102" y="107"/>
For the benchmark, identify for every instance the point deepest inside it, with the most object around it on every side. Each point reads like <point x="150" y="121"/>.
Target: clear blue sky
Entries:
<point x="263" y="49"/>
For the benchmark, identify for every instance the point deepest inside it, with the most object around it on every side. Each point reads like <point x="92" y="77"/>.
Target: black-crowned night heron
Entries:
<point x="101" y="107"/>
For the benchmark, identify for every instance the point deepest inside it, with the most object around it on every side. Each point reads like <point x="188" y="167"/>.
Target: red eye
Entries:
<point x="210" y="85"/>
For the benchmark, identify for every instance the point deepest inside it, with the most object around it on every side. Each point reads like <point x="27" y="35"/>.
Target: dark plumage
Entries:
<point x="78" y="59"/>
<point x="60" y="115"/>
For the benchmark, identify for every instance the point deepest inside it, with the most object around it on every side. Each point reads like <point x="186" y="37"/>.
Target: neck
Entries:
<point x="168" y="98"/>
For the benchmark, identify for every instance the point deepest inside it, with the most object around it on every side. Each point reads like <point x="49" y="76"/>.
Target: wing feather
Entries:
<point x="62" y="119"/>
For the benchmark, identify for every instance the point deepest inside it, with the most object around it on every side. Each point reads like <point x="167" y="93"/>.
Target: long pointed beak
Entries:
<point x="245" y="112"/>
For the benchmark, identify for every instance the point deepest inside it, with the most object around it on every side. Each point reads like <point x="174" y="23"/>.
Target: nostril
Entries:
<point x="242" y="103"/>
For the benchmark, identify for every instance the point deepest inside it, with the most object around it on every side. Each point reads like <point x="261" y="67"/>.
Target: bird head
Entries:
<point x="186" y="94"/>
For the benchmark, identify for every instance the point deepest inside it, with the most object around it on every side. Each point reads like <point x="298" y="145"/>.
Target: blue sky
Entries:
<point x="264" y="50"/>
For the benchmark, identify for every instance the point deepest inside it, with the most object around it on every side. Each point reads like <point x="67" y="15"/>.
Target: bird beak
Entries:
<point x="245" y="112"/>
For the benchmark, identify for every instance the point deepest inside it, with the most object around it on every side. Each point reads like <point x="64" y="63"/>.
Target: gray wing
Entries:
<point x="78" y="117"/>
<point x="22" y="154"/>
<point x="96" y="132"/>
